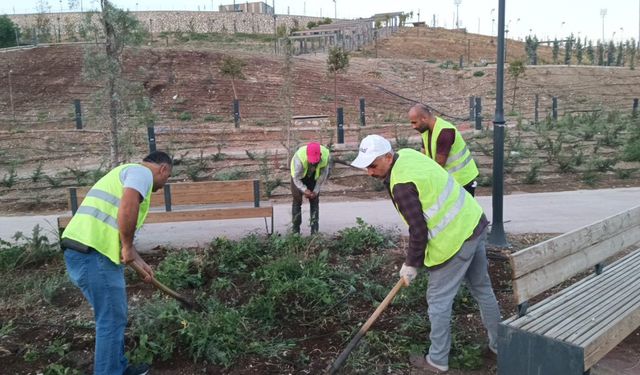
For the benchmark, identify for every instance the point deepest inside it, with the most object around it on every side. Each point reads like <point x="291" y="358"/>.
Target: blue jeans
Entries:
<point x="102" y="283"/>
<point x="470" y="265"/>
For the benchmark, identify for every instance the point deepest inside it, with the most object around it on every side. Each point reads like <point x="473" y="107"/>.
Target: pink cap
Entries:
<point x="313" y="152"/>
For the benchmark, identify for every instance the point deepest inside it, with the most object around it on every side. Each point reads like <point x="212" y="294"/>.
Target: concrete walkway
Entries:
<point x="556" y="212"/>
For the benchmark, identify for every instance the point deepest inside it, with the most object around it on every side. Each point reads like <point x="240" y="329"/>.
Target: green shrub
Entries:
<point x="36" y="175"/>
<point x="9" y="179"/>
<point x="532" y="175"/>
<point x="478" y="73"/>
<point x="180" y="269"/>
<point x="234" y="174"/>
<point x="27" y="252"/>
<point x="363" y="238"/>
<point x="213" y="118"/>
<point x="184" y="116"/>
<point x="632" y="150"/>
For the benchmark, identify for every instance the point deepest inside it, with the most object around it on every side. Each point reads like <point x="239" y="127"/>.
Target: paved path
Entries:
<point x="556" y="212"/>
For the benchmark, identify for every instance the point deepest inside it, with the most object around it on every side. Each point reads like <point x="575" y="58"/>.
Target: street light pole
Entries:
<point x="497" y="235"/>
<point x="335" y="9"/>
<point x="457" y="3"/>
<point x="603" y="12"/>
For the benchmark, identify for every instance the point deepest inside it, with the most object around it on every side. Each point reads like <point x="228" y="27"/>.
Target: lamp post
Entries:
<point x="603" y="12"/>
<point x="497" y="235"/>
<point x="457" y="3"/>
<point x="335" y="9"/>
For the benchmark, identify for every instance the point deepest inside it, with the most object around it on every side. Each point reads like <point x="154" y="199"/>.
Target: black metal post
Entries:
<point x="634" y="113"/>
<point x="340" y="122"/>
<point x="461" y="61"/>
<point x="478" y="115"/>
<point x="236" y="112"/>
<point x="472" y="108"/>
<point x="535" y="109"/>
<point x="76" y="104"/>
<point x="362" y="112"/>
<point x="151" y="134"/>
<point x="554" y="108"/>
<point x="497" y="235"/>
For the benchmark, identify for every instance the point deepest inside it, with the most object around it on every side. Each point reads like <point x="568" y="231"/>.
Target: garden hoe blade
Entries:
<point x="363" y="330"/>
<point x="186" y="302"/>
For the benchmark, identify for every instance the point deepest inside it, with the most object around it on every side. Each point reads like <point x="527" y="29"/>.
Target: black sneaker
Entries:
<point x="141" y="369"/>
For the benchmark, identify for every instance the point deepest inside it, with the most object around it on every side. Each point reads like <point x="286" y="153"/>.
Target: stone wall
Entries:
<point x="159" y="21"/>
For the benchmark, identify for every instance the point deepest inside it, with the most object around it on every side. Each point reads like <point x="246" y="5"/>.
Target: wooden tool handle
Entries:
<point x="162" y="287"/>
<point x="354" y="341"/>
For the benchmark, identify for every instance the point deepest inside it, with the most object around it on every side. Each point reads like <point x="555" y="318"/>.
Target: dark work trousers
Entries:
<point x="296" y="207"/>
<point x="471" y="188"/>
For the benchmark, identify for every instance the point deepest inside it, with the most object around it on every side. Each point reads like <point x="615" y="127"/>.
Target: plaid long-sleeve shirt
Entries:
<point x="405" y="197"/>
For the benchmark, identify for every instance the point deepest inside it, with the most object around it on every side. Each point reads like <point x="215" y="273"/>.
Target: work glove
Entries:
<point x="409" y="273"/>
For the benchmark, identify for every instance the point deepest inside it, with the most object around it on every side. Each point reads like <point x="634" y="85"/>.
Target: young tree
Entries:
<point x="631" y="53"/>
<point x="232" y="68"/>
<point x="620" y="55"/>
<point x="568" y="50"/>
<point x="591" y="53"/>
<point x="516" y="69"/>
<point x="579" y="51"/>
<point x="531" y="48"/>
<point x="120" y="29"/>
<point x="555" y="51"/>
<point x="337" y="62"/>
<point x="600" y="52"/>
<point x="8" y="32"/>
<point x="611" y="53"/>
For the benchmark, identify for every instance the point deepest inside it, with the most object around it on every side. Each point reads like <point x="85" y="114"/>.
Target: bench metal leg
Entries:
<point x="525" y="353"/>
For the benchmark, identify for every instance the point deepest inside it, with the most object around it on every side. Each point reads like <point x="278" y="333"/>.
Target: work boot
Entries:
<point x="423" y="362"/>
<point x="296" y="218"/>
<point x="141" y="369"/>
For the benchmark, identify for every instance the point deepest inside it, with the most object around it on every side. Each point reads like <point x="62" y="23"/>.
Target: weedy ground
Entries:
<point x="279" y="304"/>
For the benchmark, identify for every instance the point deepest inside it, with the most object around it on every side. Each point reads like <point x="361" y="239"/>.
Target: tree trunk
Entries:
<point x="335" y="92"/>
<point x="233" y="86"/>
<point x="113" y="72"/>
<point x="515" y="87"/>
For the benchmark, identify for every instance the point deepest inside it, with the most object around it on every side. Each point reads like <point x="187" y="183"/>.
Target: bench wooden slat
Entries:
<point x="594" y="315"/>
<point x="628" y="301"/>
<point x="540" y="255"/>
<point x="552" y="274"/>
<point x="614" y="333"/>
<point x="157" y="198"/>
<point x="545" y="314"/>
<point x="209" y="214"/>
<point x="212" y="192"/>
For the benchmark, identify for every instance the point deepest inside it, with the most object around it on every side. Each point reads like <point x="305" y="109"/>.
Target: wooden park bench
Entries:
<point x="195" y="201"/>
<point x="570" y="331"/>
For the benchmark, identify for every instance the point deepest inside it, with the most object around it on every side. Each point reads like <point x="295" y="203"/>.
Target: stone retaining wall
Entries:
<point x="159" y="21"/>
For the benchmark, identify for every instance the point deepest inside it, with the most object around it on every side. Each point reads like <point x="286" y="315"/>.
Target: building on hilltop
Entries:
<point x="247" y="7"/>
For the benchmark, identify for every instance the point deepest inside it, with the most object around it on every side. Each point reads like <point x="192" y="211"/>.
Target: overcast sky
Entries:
<point x="544" y="18"/>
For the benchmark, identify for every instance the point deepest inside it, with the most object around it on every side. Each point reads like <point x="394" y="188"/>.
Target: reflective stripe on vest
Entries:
<point x="451" y="214"/>
<point x="460" y="162"/>
<point x="95" y="223"/>
<point x="302" y="155"/>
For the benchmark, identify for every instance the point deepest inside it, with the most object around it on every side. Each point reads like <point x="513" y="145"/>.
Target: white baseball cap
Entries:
<point x="371" y="147"/>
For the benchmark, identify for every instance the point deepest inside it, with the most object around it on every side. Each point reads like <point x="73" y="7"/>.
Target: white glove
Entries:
<point x="409" y="273"/>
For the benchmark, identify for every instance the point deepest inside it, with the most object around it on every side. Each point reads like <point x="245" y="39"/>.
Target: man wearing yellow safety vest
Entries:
<point x="99" y="240"/>
<point x="447" y="230"/>
<point x="309" y="170"/>
<point x="443" y="143"/>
